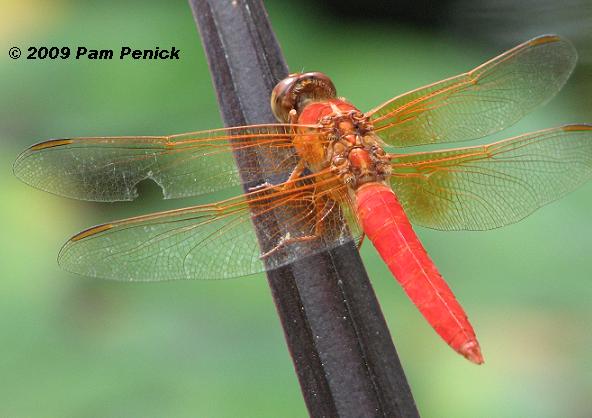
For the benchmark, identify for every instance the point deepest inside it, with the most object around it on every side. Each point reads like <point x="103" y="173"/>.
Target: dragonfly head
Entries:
<point x="297" y="90"/>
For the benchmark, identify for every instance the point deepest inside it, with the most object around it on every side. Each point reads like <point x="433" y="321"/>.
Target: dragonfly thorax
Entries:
<point x="349" y="149"/>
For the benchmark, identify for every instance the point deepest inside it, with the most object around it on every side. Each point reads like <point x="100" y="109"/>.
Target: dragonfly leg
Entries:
<point x="287" y="239"/>
<point x="296" y="172"/>
<point x="289" y="183"/>
<point x="361" y="241"/>
<point x="321" y="214"/>
<point x="261" y="186"/>
<point x="294" y="175"/>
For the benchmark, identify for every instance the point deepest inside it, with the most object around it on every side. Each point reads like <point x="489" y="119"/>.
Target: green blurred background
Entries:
<point x="75" y="347"/>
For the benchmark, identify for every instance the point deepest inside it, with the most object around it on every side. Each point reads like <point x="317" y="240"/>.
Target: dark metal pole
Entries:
<point x="343" y="354"/>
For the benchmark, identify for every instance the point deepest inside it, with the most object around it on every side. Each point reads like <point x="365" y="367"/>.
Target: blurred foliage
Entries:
<point x="74" y="347"/>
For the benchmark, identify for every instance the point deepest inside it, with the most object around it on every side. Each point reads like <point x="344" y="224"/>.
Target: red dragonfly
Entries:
<point x="344" y="183"/>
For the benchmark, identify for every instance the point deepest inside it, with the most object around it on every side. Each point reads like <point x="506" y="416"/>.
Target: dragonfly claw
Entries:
<point x="285" y="240"/>
<point x="261" y="186"/>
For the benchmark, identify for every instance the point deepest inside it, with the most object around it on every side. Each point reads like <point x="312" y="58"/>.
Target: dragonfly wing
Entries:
<point x="212" y="241"/>
<point x="109" y="169"/>
<point x="187" y="244"/>
<point x="485" y="100"/>
<point x="485" y="187"/>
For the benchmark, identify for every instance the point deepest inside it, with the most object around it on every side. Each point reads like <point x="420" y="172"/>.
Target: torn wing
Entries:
<point x="485" y="100"/>
<point x="485" y="187"/>
<point x="109" y="168"/>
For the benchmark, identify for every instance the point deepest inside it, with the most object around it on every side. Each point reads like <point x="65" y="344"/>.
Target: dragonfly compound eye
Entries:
<point x="297" y="90"/>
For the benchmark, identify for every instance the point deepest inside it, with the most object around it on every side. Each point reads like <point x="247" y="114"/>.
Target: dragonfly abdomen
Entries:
<point x="386" y="225"/>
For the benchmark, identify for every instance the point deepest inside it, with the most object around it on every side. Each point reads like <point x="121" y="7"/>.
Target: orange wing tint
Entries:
<point x="217" y="240"/>
<point x="485" y="100"/>
<point x="109" y="168"/>
<point x="489" y="186"/>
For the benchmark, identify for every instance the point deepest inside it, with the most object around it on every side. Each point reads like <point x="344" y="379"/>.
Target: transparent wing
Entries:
<point x="213" y="241"/>
<point x="487" y="99"/>
<point x="108" y="169"/>
<point x="489" y="186"/>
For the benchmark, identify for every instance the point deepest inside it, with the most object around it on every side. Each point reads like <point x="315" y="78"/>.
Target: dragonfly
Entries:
<point x="328" y="174"/>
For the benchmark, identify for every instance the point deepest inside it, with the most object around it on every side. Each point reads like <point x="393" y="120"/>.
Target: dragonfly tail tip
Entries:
<point x="472" y="352"/>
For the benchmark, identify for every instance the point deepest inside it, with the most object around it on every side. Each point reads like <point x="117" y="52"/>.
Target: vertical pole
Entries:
<point x="342" y="351"/>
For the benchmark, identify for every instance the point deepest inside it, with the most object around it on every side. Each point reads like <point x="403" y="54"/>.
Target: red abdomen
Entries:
<point x="387" y="226"/>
